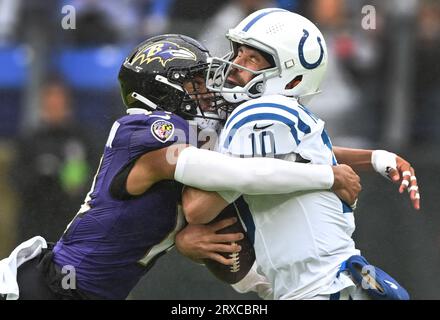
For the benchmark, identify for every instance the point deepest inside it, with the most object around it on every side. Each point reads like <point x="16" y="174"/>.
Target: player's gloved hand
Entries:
<point x="198" y="241"/>
<point x="346" y="184"/>
<point x="399" y="171"/>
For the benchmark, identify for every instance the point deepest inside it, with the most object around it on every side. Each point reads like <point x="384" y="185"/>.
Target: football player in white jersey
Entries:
<point x="302" y="240"/>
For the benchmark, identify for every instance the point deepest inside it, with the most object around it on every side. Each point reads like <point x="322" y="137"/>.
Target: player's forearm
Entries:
<point x="201" y="206"/>
<point x="212" y="171"/>
<point x="358" y="159"/>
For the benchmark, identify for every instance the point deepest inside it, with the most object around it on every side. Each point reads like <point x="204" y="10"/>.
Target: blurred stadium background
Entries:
<point x="59" y="96"/>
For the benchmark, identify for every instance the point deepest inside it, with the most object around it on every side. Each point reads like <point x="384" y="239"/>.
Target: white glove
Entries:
<point x="383" y="161"/>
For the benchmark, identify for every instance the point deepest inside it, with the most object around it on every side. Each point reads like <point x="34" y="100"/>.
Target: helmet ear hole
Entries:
<point x="292" y="84"/>
<point x="257" y="88"/>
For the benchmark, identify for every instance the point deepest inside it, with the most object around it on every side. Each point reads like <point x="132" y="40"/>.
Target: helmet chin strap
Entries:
<point x="144" y="100"/>
<point x="235" y="97"/>
<point x="305" y="98"/>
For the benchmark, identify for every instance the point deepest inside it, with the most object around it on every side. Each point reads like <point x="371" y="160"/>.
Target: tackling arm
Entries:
<point x="201" y="206"/>
<point x="232" y="177"/>
<point x="212" y="171"/>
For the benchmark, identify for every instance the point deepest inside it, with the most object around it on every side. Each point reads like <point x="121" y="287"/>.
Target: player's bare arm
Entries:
<point x="388" y="164"/>
<point x="201" y="206"/>
<point x="152" y="167"/>
<point x="358" y="159"/>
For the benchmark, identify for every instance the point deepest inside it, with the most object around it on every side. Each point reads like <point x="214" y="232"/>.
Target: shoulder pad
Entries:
<point x="146" y="132"/>
<point x="268" y="125"/>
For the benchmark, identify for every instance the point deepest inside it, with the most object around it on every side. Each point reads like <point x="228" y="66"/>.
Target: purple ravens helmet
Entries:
<point x="153" y="75"/>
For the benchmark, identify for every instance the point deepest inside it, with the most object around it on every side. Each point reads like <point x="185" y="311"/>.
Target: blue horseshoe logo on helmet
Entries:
<point x="301" y="52"/>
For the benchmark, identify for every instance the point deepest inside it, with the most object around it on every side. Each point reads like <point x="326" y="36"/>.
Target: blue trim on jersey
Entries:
<point x="326" y="139"/>
<point x="262" y="116"/>
<point x="310" y="114"/>
<point x="345" y="207"/>
<point x="261" y="15"/>
<point x="301" y="124"/>
<point x="246" y="216"/>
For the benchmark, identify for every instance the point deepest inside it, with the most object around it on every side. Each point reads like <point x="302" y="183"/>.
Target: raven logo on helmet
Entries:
<point x="166" y="73"/>
<point x="163" y="52"/>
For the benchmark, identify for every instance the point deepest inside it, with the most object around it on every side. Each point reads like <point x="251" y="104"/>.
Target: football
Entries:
<point x="243" y="259"/>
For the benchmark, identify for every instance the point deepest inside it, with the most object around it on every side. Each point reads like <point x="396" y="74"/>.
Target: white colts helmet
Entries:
<point x="296" y="45"/>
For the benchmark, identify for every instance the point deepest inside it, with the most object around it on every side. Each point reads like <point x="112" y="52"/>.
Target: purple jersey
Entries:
<point x="112" y="243"/>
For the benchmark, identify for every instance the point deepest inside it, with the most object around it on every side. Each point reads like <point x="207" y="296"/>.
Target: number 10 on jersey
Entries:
<point x="263" y="144"/>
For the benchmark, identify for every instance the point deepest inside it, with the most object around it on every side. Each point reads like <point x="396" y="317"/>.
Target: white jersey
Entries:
<point x="300" y="239"/>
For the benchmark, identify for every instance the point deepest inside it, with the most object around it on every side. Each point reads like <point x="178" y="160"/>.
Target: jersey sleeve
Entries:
<point x="142" y="133"/>
<point x="159" y="133"/>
